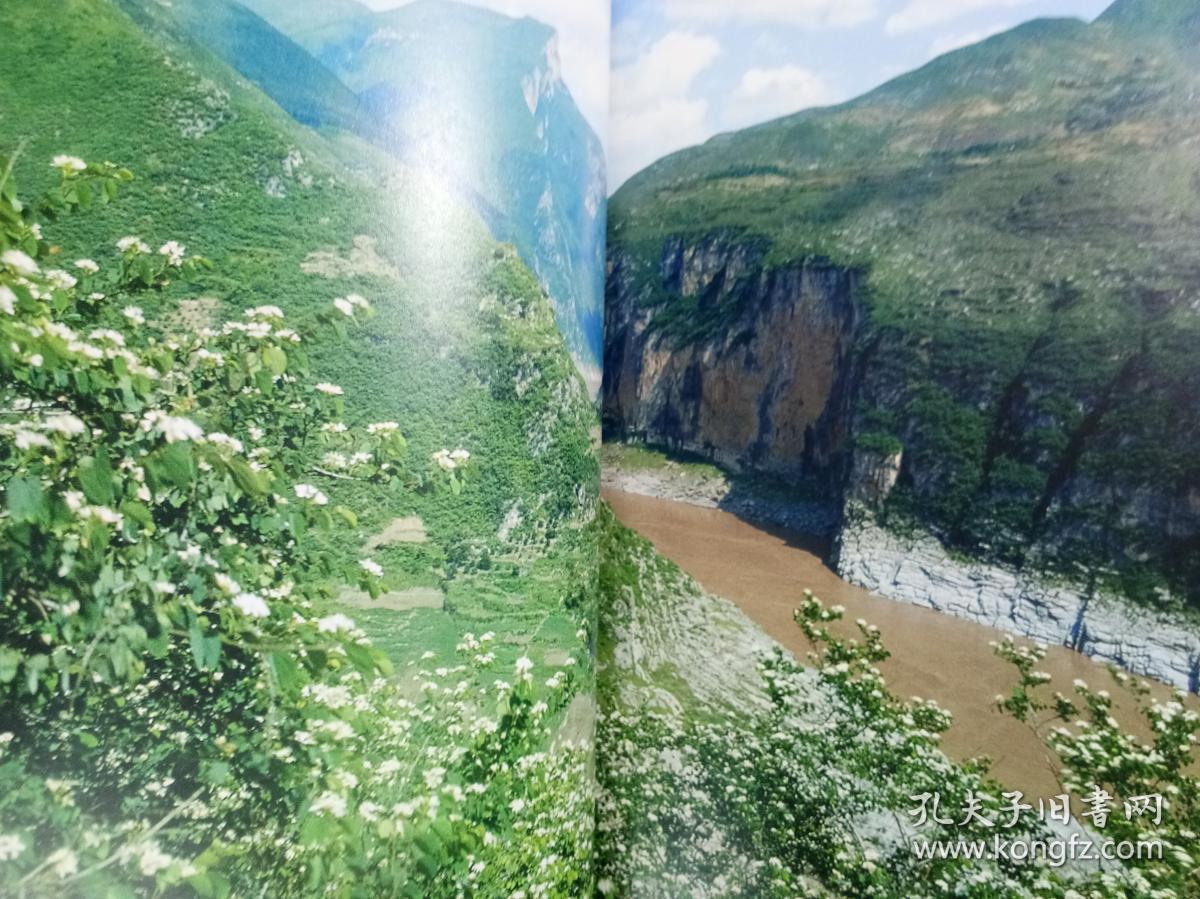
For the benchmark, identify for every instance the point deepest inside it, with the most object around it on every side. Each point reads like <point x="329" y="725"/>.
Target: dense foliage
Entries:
<point x="184" y="708"/>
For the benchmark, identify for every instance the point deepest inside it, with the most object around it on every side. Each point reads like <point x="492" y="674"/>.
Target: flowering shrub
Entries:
<point x="183" y="708"/>
<point x="1103" y="760"/>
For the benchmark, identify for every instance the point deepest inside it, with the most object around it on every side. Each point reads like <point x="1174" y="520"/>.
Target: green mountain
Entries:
<point x="293" y="218"/>
<point x="278" y="66"/>
<point x="968" y="298"/>
<point x="432" y="75"/>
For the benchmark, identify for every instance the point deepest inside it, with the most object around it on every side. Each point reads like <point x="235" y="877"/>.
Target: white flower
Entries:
<point x="173" y="250"/>
<point x="36" y="360"/>
<point x="334" y="460"/>
<point x="66" y="424"/>
<point x="359" y="301"/>
<point x="152" y="859"/>
<point x="87" y="265"/>
<point x="434" y="777"/>
<point x="8" y="300"/>
<point x="30" y="439"/>
<point x="264" y="312"/>
<point x="309" y="492"/>
<point x="329" y="389"/>
<point x="63" y="862"/>
<point x="11" y="846"/>
<point x="332" y="624"/>
<point x="344" y="306"/>
<point x="443" y="460"/>
<point x="19" y="261"/>
<point x="108" y="334"/>
<point x="371" y="567"/>
<point x="134" y="314"/>
<point x="60" y="279"/>
<point x="177" y="429"/>
<point x="70" y="163"/>
<point x="329" y="802"/>
<point x="125" y="244"/>
<point x="383" y="427"/>
<point x="251" y="605"/>
<point x="216" y="438"/>
<point x="104" y="515"/>
<point x="333" y="427"/>
<point x="524" y="666"/>
<point x="461" y="456"/>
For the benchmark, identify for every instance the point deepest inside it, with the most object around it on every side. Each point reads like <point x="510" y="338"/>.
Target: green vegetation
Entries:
<point x="186" y="709"/>
<point x="727" y="769"/>
<point x="1018" y="214"/>
<point x="639" y="457"/>
<point x="495" y="477"/>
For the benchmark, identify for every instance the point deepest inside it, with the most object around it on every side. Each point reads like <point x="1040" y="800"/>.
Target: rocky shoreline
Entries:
<point x="917" y="569"/>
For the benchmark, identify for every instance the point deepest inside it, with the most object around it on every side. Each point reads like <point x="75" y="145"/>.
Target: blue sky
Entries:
<point x="683" y="70"/>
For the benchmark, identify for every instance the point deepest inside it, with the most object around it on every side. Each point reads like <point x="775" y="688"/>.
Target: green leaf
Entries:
<point x="206" y="647"/>
<point x="96" y="478"/>
<point x="10" y="661"/>
<point x="26" y="500"/>
<point x="287" y="672"/>
<point x="177" y="465"/>
<point x="275" y="359"/>
<point x="348" y="515"/>
<point x="256" y="483"/>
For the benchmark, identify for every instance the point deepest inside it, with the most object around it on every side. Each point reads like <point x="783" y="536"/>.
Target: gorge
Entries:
<point x="954" y="321"/>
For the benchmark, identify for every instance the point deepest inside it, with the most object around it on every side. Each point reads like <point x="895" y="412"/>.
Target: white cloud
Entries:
<point x="796" y="13"/>
<point x="948" y="42"/>
<point x="918" y="14"/>
<point x="653" y="112"/>
<point x="764" y="94"/>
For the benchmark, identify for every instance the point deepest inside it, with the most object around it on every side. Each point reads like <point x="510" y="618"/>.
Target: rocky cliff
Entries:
<point x="780" y="371"/>
<point x="966" y="303"/>
<point x="765" y="387"/>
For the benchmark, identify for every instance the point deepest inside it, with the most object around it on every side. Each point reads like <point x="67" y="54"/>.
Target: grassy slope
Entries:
<point x="1024" y="211"/>
<point x="458" y="315"/>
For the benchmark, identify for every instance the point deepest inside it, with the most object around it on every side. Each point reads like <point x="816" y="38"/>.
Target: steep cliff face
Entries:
<point x="765" y="387"/>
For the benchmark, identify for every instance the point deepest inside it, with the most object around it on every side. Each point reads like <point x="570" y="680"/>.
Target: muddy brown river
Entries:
<point x="766" y="571"/>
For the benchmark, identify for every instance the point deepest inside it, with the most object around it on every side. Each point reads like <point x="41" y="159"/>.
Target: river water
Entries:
<point x="765" y="572"/>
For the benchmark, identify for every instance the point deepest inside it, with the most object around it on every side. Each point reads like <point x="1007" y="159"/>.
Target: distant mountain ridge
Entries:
<point x="967" y="298"/>
<point x="476" y="97"/>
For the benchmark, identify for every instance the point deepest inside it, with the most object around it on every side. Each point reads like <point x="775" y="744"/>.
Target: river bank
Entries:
<point x="765" y="571"/>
